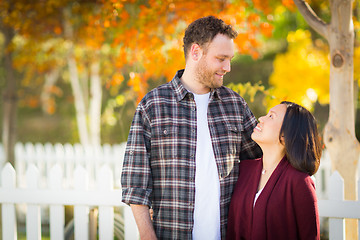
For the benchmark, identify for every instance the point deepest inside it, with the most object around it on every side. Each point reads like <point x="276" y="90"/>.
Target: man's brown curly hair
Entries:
<point x="203" y="30"/>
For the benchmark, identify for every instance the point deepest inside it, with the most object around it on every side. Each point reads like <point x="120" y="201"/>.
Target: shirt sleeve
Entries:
<point x="249" y="148"/>
<point x="136" y="174"/>
<point x="306" y="209"/>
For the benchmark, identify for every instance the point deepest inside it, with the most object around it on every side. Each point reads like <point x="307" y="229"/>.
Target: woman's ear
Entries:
<point x="282" y="139"/>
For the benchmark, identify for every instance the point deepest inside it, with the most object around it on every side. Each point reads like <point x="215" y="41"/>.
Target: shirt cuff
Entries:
<point x="136" y="196"/>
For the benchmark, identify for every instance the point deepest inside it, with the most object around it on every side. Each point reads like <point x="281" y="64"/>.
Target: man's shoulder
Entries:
<point x="159" y="90"/>
<point x="164" y="91"/>
<point x="228" y="94"/>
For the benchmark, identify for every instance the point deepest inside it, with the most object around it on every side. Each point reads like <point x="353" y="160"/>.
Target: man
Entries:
<point x="186" y="140"/>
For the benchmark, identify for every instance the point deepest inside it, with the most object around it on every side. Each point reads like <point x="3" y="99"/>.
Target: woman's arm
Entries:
<point x="306" y="209"/>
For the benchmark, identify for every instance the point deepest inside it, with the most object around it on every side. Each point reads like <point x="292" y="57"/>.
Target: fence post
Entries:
<point x="20" y="163"/>
<point x="359" y="201"/>
<point x="8" y="179"/>
<point x="81" y="213"/>
<point x="336" y="192"/>
<point x="33" y="218"/>
<point x="106" y="213"/>
<point x="2" y="155"/>
<point x="40" y="163"/>
<point x="57" y="218"/>
<point x="130" y="228"/>
<point x="69" y="159"/>
<point x="118" y="153"/>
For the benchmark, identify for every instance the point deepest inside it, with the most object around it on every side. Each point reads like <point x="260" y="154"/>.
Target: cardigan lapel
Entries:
<point x="259" y="210"/>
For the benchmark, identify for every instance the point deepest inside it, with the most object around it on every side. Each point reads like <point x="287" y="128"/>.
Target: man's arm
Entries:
<point x="249" y="149"/>
<point x="143" y="221"/>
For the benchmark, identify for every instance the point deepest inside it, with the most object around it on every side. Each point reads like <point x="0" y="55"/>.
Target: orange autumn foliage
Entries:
<point x="149" y="34"/>
<point x="144" y="37"/>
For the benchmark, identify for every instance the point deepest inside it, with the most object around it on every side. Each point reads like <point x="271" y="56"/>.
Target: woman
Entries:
<point x="274" y="197"/>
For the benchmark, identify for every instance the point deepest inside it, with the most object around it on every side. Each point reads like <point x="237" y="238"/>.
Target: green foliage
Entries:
<point x="247" y="90"/>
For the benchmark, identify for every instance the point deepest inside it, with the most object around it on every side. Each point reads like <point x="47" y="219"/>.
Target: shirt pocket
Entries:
<point x="234" y="138"/>
<point x="163" y="141"/>
<point x="232" y="154"/>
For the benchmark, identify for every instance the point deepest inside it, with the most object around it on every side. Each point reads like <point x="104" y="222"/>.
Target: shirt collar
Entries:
<point x="181" y="91"/>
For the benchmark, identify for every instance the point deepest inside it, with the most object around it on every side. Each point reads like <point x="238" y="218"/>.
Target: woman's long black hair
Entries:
<point x="301" y="138"/>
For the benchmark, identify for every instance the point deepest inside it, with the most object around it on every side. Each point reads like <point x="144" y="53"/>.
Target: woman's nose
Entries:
<point x="261" y="119"/>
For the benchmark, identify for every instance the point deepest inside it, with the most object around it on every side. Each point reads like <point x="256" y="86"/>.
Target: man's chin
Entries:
<point x="217" y="83"/>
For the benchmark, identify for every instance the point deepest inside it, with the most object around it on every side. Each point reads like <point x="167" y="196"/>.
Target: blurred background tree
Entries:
<point x="65" y="53"/>
<point x="74" y="71"/>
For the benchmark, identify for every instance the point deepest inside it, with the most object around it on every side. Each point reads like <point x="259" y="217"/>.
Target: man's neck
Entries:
<point x="191" y="83"/>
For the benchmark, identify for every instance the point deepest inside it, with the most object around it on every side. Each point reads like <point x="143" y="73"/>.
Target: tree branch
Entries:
<point x="312" y="19"/>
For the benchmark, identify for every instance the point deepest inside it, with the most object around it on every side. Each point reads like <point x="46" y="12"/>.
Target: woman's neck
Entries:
<point x="272" y="156"/>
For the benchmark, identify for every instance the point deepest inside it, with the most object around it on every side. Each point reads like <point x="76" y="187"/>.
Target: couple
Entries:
<point x="184" y="148"/>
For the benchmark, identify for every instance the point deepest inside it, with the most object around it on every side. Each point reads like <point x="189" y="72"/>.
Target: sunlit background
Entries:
<point x="76" y="70"/>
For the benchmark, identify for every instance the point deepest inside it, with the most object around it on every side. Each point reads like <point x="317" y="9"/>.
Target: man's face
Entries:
<point x="215" y="62"/>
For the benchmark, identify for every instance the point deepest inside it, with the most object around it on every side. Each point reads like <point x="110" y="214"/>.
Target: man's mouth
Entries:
<point x="221" y="75"/>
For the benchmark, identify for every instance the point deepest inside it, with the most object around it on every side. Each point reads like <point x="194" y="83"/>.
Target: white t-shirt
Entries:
<point x="257" y="196"/>
<point x="207" y="184"/>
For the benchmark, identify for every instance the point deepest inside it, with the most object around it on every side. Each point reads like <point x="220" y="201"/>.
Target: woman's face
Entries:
<point x="268" y="129"/>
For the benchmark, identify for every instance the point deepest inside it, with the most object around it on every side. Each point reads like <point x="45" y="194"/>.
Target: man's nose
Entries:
<point x="227" y="66"/>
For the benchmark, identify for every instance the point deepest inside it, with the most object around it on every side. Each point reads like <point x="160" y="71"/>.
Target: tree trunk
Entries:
<point x="50" y="80"/>
<point x="340" y="130"/>
<point x="339" y="133"/>
<point x="77" y="90"/>
<point x="10" y="100"/>
<point x="79" y="102"/>
<point x="95" y="103"/>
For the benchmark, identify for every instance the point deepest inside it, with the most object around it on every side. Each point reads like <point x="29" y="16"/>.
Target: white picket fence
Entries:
<point x="50" y="176"/>
<point x="336" y="208"/>
<point x="44" y="156"/>
<point x="104" y="196"/>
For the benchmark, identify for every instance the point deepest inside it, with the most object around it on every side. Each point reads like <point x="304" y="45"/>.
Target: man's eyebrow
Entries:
<point x="226" y="56"/>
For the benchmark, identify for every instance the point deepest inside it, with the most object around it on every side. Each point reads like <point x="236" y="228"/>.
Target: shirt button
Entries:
<point x="192" y="155"/>
<point x="131" y="152"/>
<point x="165" y="132"/>
<point x="193" y="130"/>
<point x="193" y="109"/>
<point x="235" y="128"/>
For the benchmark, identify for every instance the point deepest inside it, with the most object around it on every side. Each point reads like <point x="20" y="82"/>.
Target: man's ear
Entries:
<point x="195" y="52"/>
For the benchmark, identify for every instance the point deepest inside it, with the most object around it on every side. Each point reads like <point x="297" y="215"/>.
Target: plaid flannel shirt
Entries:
<point x="159" y="163"/>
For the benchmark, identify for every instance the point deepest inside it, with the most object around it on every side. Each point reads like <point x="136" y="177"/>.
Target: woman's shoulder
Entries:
<point x="297" y="173"/>
<point x="251" y="162"/>
<point x="299" y="177"/>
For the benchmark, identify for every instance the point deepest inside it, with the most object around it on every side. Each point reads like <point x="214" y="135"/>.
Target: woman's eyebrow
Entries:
<point x="271" y="111"/>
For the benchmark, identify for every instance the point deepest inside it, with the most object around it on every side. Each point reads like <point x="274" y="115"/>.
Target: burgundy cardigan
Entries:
<point x="286" y="208"/>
